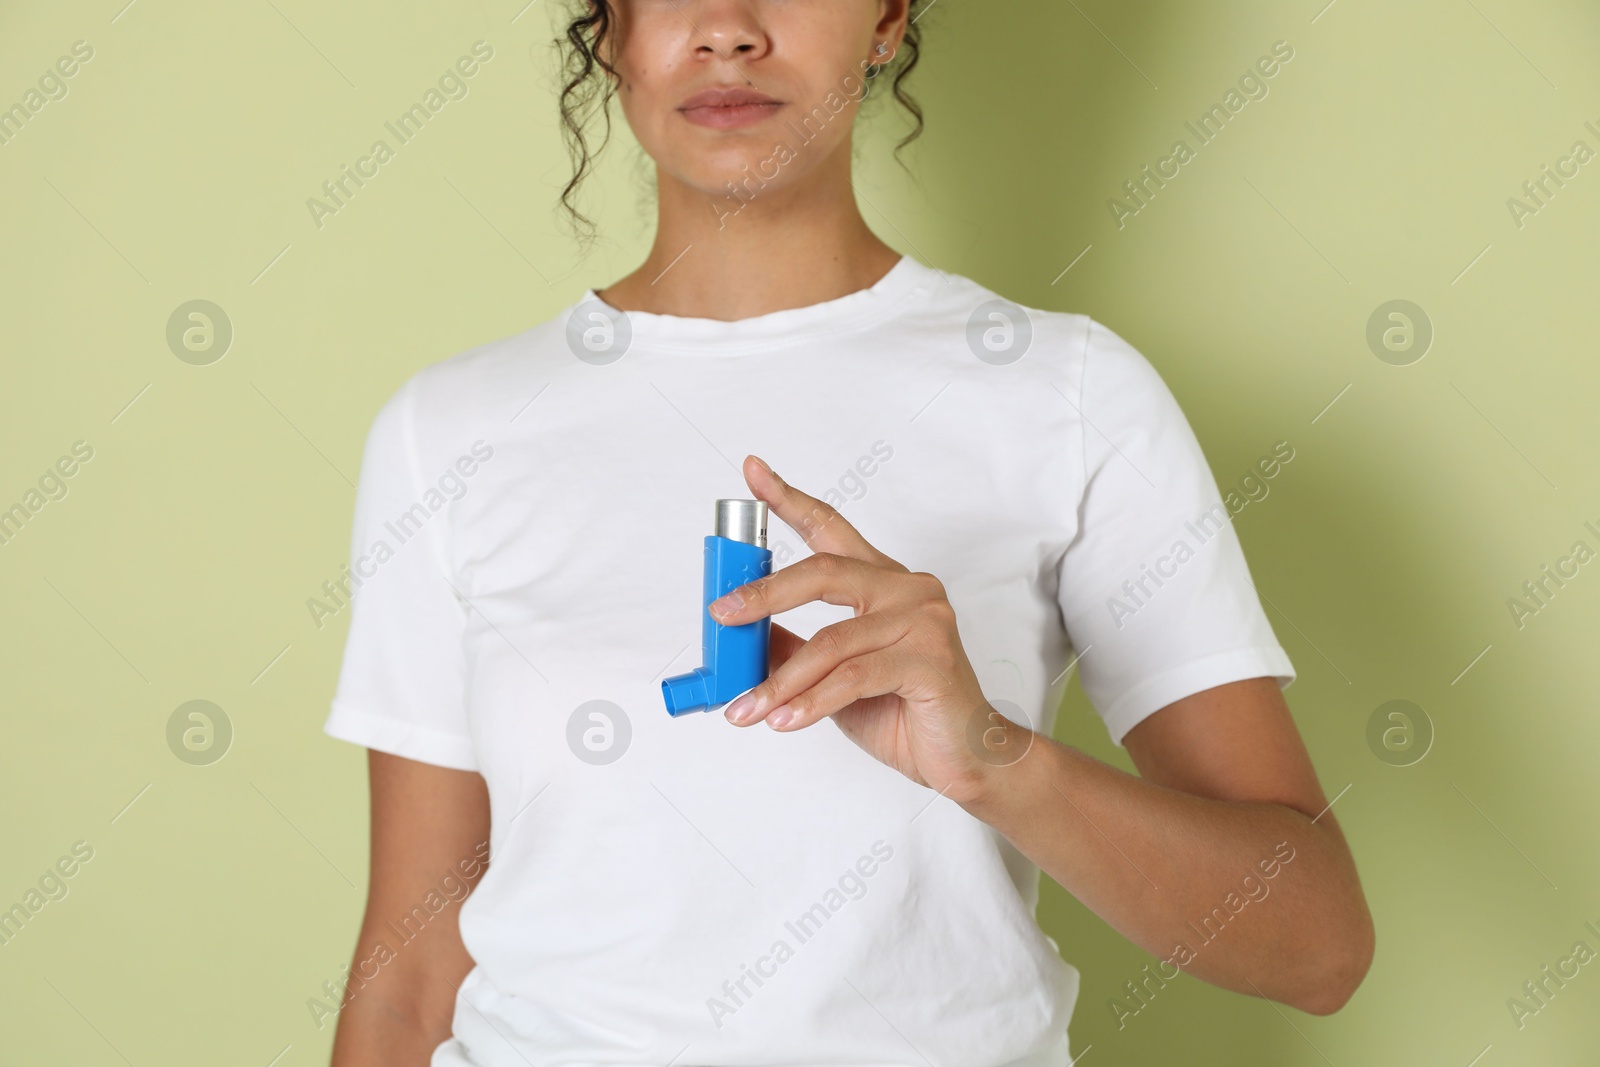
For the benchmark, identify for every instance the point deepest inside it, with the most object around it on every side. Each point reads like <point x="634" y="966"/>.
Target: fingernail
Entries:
<point x="741" y="710"/>
<point x="727" y="605"/>
<point x="781" y="716"/>
<point x="767" y="467"/>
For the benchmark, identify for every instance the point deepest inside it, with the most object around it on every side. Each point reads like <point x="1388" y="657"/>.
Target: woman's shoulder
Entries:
<point x="477" y="390"/>
<point x="1003" y="330"/>
<point x="488" y="378"/>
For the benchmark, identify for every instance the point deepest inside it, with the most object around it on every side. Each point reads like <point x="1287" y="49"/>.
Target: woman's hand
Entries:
<point x="1225" y="774"/>
<point x="895" y="678"/>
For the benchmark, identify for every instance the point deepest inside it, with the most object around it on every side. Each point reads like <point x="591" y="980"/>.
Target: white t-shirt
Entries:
<point x="528" y="537"/>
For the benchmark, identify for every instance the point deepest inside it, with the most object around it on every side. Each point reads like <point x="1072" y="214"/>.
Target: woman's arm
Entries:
<point x="430" y="831"/>
<point x="1182" y="855"/>
<point x="1229" y="793"/>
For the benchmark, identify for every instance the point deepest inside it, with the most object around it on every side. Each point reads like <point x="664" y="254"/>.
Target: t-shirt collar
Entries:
<point x="905" y="282"/>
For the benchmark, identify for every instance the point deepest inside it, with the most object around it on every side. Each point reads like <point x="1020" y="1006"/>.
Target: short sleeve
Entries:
<point x="1154" y="590"/>
<point x="401" y="683"/>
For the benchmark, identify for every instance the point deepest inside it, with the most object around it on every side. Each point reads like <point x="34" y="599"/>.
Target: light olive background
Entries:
<point x="1378" y="168"/>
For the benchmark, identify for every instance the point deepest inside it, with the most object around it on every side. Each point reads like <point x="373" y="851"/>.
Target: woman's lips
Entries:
<point x="732" y="117"/>
<point x="729" y="108"/>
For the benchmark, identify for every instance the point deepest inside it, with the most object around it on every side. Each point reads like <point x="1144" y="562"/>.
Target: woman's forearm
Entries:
<point x="1255" y="897"/>
<point x="1176" y="871"/>
<point x="373" y="1033"/>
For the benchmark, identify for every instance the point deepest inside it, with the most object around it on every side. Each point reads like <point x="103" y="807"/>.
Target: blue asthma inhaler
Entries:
<point x="733" y="658"/>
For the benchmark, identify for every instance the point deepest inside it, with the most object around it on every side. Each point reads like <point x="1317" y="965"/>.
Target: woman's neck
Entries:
<point x="762" y="251"/>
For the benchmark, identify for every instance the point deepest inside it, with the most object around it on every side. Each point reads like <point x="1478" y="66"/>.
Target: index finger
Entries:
<point x="817" y="522"/>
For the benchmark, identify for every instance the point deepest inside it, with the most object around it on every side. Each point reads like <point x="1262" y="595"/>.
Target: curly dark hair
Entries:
<point x="583" y="93"/>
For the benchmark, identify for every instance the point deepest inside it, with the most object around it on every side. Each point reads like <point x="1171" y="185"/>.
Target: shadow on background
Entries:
<point x="1375" y="166"/>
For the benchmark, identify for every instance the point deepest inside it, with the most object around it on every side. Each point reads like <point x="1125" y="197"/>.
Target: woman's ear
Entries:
<point x="893" y="17"/>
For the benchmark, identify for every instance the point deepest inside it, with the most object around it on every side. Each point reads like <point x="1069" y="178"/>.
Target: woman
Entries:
<point x="853" y="881"/>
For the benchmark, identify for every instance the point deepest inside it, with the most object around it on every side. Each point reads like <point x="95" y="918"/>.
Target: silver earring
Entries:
<point x="874" y="68"/>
